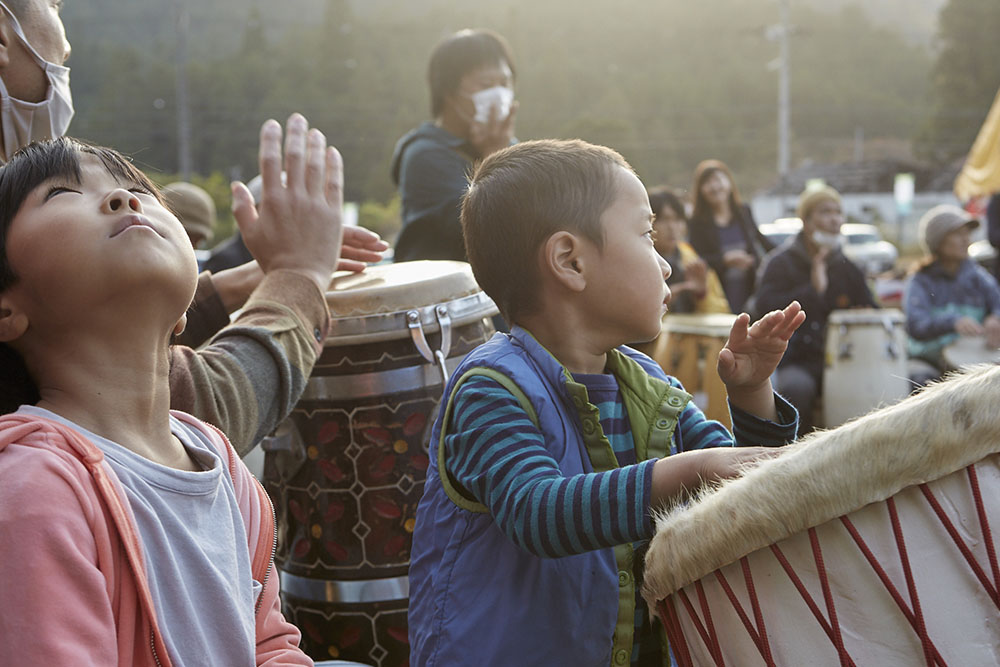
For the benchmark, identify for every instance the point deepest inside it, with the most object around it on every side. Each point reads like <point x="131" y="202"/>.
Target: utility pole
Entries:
<point x="180" y="81"/>
<point x="781" y="33"/>
<point x="783" y="101"/>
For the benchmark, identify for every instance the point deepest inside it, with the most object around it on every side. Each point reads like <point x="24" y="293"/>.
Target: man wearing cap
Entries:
<point x="949" y="295"/>
<point x="253" y="372"/>
<point x="194" y="208"/>
<point x="811" y="269"/>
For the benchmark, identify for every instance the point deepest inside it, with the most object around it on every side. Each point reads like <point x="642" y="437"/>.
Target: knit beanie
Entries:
<point x="813" y="197"/>
<point x="192" y="206"/>
<point x="939" y="222"/>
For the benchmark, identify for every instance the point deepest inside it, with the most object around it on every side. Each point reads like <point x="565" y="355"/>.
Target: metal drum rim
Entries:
<point x="377" y="327"/>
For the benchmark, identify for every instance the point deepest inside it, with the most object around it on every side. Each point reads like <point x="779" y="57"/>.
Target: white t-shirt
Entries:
<point x="195" y="548"/>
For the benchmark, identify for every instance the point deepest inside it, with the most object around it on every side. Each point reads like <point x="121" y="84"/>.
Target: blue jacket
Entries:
<point x="431" y="167"/>
<point x="935" y="300"/>
<point x="475" y="597"/>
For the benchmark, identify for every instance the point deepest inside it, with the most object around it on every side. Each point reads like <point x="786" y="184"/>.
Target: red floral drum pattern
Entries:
<point x="345" y="491"/>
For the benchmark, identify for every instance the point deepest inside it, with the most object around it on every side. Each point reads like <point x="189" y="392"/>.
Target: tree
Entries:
<point x="965" y="78"/>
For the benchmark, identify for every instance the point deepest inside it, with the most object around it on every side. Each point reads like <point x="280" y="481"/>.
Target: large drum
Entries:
<point x="865" y="363"/>
<point x="872" y="544"/>
<point x="347" y="469"/>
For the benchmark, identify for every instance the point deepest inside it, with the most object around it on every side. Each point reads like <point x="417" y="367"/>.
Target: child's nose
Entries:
<point x="665" y="266"/>
<point x="120" y="199"/>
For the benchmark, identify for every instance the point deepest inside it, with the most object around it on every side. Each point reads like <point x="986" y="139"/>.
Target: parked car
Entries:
<point x="863" y="244"/>
<point x="781" y="230"/>
<point x="984" y="254"/>
<point x="865" y="247"/>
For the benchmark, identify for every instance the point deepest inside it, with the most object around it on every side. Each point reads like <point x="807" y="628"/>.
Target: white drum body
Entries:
<point x="865" y="363"/>
<point x="857" y="590"/>
<point x="875" y="543"/>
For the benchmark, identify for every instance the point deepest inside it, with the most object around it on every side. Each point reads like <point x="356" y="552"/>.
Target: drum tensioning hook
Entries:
<point x="420" y="340"/>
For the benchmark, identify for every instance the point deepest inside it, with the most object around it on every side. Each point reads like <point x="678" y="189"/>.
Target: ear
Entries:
<point x="181" y="324"/>
<point x="564" y="259"/>
<point x="13" y="322"/>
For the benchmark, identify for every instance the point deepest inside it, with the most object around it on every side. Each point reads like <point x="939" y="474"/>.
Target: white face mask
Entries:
<point x="498" y="97"/>
<point x="826" y="239"/>
<point x="24" y="122"/>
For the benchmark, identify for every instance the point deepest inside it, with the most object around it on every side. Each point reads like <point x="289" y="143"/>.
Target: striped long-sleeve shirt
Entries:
<point x="498" y="455"/>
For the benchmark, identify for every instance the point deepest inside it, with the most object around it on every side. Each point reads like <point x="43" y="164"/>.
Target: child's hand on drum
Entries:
<point x="752" y="353"/>
<point x="686" y="472"/>
<point x="298" y="224"/>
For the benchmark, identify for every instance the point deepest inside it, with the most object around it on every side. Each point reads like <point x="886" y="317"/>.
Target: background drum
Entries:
<point x="872" y="544"/>
<point x="970" y="350"/>
<point x="688" y="348"/>
<point x="347" y="468"/>
<point x="865" y="363"/>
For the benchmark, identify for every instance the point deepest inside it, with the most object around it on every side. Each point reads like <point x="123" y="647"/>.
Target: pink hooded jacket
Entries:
<point x="73" y="582"/>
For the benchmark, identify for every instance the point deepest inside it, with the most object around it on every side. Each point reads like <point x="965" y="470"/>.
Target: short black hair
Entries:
<point x="661" y="196"/>
<point x="28" y="168"/>
<point x="522" y="195"/>
<point x="461" y="53"/>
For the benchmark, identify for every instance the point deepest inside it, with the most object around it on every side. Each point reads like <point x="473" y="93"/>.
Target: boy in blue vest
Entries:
<point x="556" y="443"/>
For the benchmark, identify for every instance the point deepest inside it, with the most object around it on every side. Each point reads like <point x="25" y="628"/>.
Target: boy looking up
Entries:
<point x="130" y="535"/>
<point x="556" y="442"/>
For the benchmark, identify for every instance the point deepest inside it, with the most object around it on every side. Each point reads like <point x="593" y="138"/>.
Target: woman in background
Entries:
<point x="724" y="233"/>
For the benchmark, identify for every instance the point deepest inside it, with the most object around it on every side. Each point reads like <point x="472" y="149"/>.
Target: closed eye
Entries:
<point x="58" y="189"/>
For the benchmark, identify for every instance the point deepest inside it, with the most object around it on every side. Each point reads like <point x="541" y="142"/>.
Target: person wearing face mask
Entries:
<point x="252" y="373"/>
<point x="811" y="269"/>
<point x="471" y="76"/>
<point x="35" y="98"/>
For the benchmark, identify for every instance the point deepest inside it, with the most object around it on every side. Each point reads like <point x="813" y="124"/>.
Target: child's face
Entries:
<point x="77" y="245"/>
<point x="629" y="291"/>
<point x="670" y="228"/>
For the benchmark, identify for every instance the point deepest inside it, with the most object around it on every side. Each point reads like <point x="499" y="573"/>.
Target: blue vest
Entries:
<point x="478" y="599"/>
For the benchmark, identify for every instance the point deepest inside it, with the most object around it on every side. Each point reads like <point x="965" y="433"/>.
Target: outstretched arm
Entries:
<point x="254" y="371"/>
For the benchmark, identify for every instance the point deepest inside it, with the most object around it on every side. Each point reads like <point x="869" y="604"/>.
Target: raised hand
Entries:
<point x="494" y="134"/>
<point x="298" y="225"/>
<point x="753" y="352"/>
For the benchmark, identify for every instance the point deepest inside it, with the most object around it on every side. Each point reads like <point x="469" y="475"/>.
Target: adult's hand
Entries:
<point x="297" y="226"/>
<point x="495" y="134"/>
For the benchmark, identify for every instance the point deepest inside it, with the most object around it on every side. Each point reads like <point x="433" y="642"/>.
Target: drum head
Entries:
<point x="388" y="288"/>
<point x="969" y="350"/>
<point x="385" y="301"/>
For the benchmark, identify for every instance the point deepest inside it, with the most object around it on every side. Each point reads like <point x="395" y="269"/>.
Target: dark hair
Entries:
<point x="702" y="172"/>
<point x="518" y="197"/>
<point x="661" y="196"/>
<point x="28" y="168"/>
<point x="461" y="53"/>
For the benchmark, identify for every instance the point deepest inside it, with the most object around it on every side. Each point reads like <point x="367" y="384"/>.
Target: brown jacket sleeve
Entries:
<point x="253" y="372"/>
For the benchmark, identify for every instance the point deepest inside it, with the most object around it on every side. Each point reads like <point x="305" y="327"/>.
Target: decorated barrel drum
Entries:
<point x="346" y="469"/>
